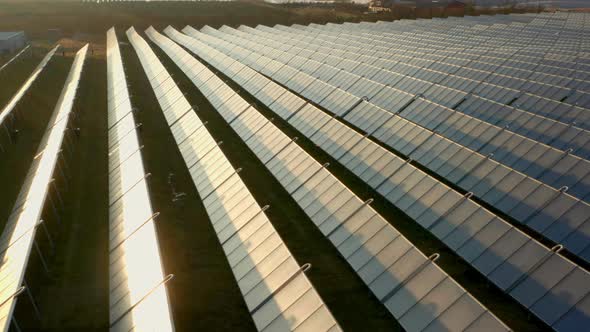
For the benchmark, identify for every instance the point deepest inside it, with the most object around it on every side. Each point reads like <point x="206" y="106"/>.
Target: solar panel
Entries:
<point x="459" y="222"/>
<point x="340" y="40"/>
<point x="340" y="215"/>
<point x="447" y="163"/>
<point x="17" y="238"/>
<point x="7" y="110"/>
<point x="274" y="286"/>
<point x="15" y="57"/>
<point x="437" y="94"/>
<point x="137" y="299"/>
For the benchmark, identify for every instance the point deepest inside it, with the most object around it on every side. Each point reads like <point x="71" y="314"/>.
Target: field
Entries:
<point x="204" y="296"/>
<point x="94" y="19"/>
<point x="89" y="21"/>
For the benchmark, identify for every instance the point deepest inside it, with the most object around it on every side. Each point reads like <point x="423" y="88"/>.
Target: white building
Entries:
<point x="12" y="41"/>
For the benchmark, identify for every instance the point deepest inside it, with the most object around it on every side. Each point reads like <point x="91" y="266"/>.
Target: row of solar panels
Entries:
<point x="532" y="37"/>
<point x="9" y="108"/>
<point x="556" y="134"/>
<point x="492" y="51"/>
<point x="535" y="31"/>
<point x="414" y="289"/>
<point x="448" y="81"/>
<point x="506" y="73"/>
<point x="17" y="239"/>
<point x="274" y="286"/>
<point x="379" y="70"/>
<point x="16" y="56"/>
<point x="137" y="295"/>
<point x="548" y="65"/>
<point x="384" y="131"/>
<point x="554" y="213"/>
<point x="474" y="35"/>
<point x="533" y="274"/>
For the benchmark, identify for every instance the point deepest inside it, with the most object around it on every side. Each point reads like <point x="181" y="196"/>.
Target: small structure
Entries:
<point x="12" y="41"/>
